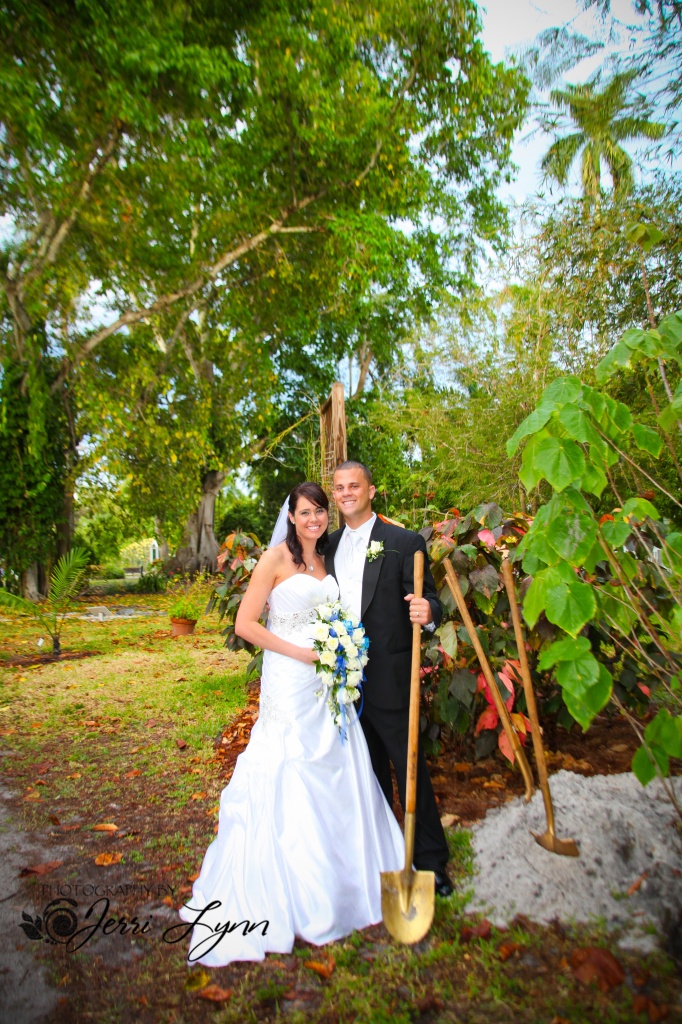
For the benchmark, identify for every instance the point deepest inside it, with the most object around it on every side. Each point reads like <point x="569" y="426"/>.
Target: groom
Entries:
<point x="379" y="590"/>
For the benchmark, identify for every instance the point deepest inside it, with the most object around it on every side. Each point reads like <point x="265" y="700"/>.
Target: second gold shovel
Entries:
<point x="407" y="896"/>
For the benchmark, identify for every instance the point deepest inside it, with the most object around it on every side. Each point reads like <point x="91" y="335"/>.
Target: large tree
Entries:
<point x="192" y="214"/>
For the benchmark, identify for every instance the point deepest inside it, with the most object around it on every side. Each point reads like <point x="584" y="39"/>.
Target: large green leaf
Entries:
<point x="614" y="611"/>
<point x="640" y="508"/>
<point x="570" y="605"/>
<point x="573" y="537"/>
<point x="568" y="649"/>
<point x="448" y="639"/>
<point x="488" y="515"/>
<point x="593" y="479"/>
<point x="533" y="422"/>
<point x="647" y="440"/>
<point x="580" y="427"/>
<point x="561" y="391"/>
<point x="584" y="695"/>
<point x="665" y="732"/>
<point x="616" y="358"/>
<point x="559" y="460"/>
<point x="534" y="601"/>
<point x="530" y="474"/>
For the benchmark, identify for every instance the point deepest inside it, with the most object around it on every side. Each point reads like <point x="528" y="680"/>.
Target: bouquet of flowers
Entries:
<point x="339" y="638"/>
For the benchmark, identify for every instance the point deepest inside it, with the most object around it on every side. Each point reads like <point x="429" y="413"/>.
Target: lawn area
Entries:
<point x="127" y="738"/>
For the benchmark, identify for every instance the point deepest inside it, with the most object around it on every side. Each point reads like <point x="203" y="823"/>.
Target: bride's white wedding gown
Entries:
<point x="304" y="828"/>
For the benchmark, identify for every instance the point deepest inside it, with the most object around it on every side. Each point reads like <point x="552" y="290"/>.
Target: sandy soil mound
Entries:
<point x="629" y="872"/>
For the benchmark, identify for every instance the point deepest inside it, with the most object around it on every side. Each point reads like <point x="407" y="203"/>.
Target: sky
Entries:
<point x="508" y="25"/>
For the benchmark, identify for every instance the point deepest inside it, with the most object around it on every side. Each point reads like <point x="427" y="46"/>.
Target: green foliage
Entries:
<point x="610" y="584"/>
<point x="68" y="578"/>
<point x="239" y="557"/>
<point x="251" y="192"/>
<point x="191" y="598"/>
<point x="34" y="446"/>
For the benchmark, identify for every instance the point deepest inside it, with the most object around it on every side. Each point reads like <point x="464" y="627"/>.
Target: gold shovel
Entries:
<point x="407" y="896"/>
<point x="565" y="847"/>
<point x="507" y="725"/>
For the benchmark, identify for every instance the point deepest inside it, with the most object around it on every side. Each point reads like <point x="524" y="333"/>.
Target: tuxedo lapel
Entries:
<point x="370" y="577"/>
<point x="330" y="553"/>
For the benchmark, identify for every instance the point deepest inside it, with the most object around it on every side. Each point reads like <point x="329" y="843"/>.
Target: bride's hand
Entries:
<point x="309" y="656"/>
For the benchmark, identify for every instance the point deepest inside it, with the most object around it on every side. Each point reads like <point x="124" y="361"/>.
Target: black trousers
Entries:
<point x="386" y="734"/>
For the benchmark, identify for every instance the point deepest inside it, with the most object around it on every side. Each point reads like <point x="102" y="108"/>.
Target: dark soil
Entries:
<point x="45" y="659"/>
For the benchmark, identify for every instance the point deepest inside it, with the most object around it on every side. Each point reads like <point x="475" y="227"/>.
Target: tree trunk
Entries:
<point x="201" y="548"/>
<point x="164" y="553"/>
<point x="29" y="583"/>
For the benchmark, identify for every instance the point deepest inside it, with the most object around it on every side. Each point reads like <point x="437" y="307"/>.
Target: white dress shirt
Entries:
<point x="349" y="564"/>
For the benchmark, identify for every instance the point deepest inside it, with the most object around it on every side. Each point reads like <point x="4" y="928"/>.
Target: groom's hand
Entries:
<point x="420" y="610"/>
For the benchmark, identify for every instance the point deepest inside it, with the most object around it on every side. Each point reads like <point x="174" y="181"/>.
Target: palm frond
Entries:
<point x="557" y="161"/>
<point x="17" y="604"/>
<point x="68" y="576"/>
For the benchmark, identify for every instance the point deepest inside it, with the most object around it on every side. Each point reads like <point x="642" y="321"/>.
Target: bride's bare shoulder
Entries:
<point x="274" y="559"/>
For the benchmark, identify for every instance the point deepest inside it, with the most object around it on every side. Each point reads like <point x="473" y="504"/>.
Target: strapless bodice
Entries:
<point x="301" y="594"/>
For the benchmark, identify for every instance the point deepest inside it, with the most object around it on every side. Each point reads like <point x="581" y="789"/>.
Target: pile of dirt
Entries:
<point x="628" y="873"/>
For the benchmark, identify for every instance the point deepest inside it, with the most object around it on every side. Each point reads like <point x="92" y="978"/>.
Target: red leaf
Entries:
<point x="505" y="746"/>
<point x="41" y="869"/>
<point x="487" y="537"/>
<point x="594" y="964"/>
<point x="606" y="519"/>
<point x="488" y="719"/>
<point x="645" y="689"/>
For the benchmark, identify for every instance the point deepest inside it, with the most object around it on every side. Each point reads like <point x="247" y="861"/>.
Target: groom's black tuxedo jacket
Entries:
<point x="385" y="613"/>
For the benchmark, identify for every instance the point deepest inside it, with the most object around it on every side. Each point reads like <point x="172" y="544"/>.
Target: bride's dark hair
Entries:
<point x="313" y="492"/>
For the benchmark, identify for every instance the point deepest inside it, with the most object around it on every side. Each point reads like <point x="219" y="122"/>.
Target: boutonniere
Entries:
<point x="375" y="549"/>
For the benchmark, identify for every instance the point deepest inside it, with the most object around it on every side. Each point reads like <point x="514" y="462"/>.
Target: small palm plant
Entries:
<point x="68" y="577"/>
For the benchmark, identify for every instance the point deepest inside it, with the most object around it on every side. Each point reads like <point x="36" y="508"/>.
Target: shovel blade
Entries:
<point x="564" y="847"/>
<point x="407" y="903"/>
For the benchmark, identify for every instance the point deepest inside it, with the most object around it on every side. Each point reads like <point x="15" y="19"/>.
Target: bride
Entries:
<point x="304" y="828"/>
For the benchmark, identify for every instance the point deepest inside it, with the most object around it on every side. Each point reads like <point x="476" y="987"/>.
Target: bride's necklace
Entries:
<point x="311" y="568"/>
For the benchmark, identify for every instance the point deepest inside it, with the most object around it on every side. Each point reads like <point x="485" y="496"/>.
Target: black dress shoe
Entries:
<point x="443" y="884"/>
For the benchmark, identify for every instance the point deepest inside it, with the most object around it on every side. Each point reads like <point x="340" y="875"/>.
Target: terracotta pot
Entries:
<point x="182" y="627"/>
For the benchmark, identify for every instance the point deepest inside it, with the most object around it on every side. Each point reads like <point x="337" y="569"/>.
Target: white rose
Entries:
<point x="340" y="629"/>
<point x="358" y="636"/>
<point x="353" y="619"/>
<point x="332" y="643"/>
<point x="324" y="611"/>
<point x="320" y="631"/>
<point x="353" y="678"/>
<point x="363" y="660"/>
<point x="328" y="658"/>
<point x="345" y="696"/>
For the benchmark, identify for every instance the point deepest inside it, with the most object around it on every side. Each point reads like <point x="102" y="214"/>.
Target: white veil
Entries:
<point x="280" y="531"/>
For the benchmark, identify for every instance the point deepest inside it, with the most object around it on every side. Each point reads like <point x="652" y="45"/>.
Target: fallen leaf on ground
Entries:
<point x="324" y="969"/>
<point x="480" y="931"/>
<point x="40" y="782"/>
<point x="70" y="828"/>
<point x="133" y="774"/>
<point x="103" y="860"/>
<point x="41" y="869"/>
<point x="37" y="725"/>
<point x="196" y="980"/>
<point x="76" y="775"/>
<point x="449" y="819"/>
<point x="54" y="819"/>
<point x="215" y="994"/>
<point x="655" y="1013"/>
<point x="181" y="744"/>
<point x="594" y="964"/>
<point x="44" y="767"/>
<point x="192" y="878"/>
<point x="198" y="796"/>
<point x="168" y="900"/>
<point x="494" y="784"/>
<point x="508" y="949"/>
<point x="636" y="884"/>
<point x="106" y="827"/>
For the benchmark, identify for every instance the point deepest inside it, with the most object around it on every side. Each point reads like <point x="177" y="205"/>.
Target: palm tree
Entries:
<point x="604" y="118"/>
<point x="68" y="578"/>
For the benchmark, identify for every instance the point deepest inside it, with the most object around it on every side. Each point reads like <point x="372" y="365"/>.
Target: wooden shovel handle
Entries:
<point x="413" y="729"/>
<point x="507" y="725"/>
